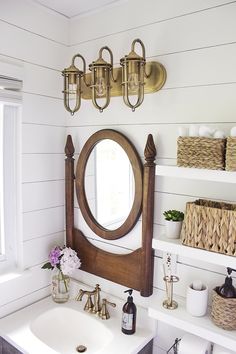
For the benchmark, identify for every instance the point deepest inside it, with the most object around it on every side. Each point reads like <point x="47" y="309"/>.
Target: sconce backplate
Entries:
<point x="155" y="81"/>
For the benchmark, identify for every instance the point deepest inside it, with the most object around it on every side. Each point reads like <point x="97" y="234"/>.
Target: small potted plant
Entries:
<point x="174" y="219"/>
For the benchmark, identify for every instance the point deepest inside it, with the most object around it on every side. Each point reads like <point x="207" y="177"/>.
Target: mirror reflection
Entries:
<point x="109" y="184"/>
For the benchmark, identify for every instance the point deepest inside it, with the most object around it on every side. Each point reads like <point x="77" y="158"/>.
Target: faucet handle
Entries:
<point x="104" y="314"/>
<point x="79" y="295"/>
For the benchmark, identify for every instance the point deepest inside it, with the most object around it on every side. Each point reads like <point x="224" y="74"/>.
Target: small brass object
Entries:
<point x="104" y="314"/>
<point x="91" y="306"/>
<point x="135" y="77"/>
<point x="169" y="303"/>
<point x="97" y="305"/>
<point x="81" y="348"/>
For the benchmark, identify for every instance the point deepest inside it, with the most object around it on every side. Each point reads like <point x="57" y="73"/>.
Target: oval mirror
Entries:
<point x="109" y="184"/>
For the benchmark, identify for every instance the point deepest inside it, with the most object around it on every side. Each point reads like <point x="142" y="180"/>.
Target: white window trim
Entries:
<point x="12" y="205"/>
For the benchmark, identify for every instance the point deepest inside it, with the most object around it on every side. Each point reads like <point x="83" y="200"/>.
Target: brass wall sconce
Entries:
<point x="101" y="77"/>
<point x="133" y="73"/>
<point x="136" y="77"/>
<point x="72" y="85"/>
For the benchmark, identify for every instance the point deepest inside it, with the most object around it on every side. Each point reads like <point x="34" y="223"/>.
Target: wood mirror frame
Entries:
<point x="137" y="168"/>
<point x="133" y="270"/>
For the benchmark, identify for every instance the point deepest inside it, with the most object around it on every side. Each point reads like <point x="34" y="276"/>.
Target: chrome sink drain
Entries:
<point x="81" y="348"/>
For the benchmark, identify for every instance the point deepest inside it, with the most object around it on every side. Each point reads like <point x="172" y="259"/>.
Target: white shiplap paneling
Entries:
<point x="146" y="13"/>
<point x="196" y="43"/>
<point x="36" y="19"/>
<point x="33" y="39"/>
<point x="43" y="222"/>
<point x="42" y="195"/>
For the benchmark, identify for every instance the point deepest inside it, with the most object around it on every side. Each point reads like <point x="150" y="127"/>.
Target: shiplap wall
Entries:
<point x="196" y="42"/>
<point x="36" y="40"/>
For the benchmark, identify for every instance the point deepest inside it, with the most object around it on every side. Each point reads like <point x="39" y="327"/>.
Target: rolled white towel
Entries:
<point x="193" y="130"/>
<point x="233" y="132"/>
<point x="205" y="131"/>
<point x="183" y="131"/>
<point x="219" y="134"/>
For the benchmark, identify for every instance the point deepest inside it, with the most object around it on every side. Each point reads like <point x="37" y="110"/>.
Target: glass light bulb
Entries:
<point x="100" y="87"/>
<point x="72" y="89"/>
<point x="133" y="82"/>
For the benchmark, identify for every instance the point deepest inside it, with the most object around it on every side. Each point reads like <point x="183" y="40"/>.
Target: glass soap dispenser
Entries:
<point x="129" y="315"/>
<point x="227" y="289"/>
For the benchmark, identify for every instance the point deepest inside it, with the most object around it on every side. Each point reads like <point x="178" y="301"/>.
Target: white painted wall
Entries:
<point x="35" y="39"/>
<point x="196" y="42"/>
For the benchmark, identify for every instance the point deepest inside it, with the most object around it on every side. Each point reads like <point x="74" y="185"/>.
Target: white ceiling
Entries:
<point x="71" y="8"/>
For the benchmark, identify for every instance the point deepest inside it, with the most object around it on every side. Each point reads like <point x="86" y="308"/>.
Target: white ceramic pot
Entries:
<point x="173" y="228"/>
<point x="196" y="301"/>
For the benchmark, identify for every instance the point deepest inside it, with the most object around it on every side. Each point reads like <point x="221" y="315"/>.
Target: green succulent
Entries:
<point x="174" y="215"/>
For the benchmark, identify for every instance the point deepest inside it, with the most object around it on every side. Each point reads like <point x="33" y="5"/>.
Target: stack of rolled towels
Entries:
<point x="204" y="131"/>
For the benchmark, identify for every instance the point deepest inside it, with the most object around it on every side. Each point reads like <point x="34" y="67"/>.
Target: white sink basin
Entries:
<point x="64" y="329"/>
<point x="49" y="328"/>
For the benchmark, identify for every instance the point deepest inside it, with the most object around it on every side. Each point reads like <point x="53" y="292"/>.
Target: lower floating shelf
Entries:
<point x="199" y="326"/>
<point x="162" y="243"/>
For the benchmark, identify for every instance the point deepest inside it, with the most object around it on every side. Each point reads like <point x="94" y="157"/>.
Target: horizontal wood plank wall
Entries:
<point x="196" y="42"/>
<point x="36" y="39"/>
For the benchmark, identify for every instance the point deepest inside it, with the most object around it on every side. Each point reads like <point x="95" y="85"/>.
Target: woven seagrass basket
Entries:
<point x="223" y="311"/>
<point x="211" y="226"/>
<point x="201" y="152"/>
<point x="231" y="154"/>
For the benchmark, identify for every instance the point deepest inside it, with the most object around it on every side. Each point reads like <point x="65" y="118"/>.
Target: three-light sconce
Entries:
<point x="134" y="78"/>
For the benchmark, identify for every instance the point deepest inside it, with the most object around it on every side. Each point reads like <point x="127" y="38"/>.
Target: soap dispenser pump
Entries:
<point x="227" y="289"/>
<point x="129" y="315"/>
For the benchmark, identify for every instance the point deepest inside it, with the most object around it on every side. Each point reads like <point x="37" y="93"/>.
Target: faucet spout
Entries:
<point x="97" y="302"/>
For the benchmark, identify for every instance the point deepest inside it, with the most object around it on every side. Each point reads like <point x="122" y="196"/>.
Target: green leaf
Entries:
<point x="47" y="266"/>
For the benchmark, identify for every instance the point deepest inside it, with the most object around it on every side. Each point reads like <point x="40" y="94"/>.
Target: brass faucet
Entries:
<point x="89" y="305"/>
<point x="104" y="314"/>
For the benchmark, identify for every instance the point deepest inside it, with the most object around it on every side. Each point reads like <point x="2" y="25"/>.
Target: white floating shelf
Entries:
<point x="199" y="326"/>
<point x="162" y="243"/>
<point x="196" y="173"/>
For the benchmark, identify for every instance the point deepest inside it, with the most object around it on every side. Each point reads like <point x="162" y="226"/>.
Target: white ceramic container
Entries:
<point x="196" y="301"/>
<point x="173" y="228"/>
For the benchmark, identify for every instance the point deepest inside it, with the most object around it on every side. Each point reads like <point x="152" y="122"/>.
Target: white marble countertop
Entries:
<point x="16" y="328"/>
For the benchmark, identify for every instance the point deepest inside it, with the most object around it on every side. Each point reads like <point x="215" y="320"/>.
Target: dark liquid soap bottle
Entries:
<point x="129" y="315"/>
<point x="227" y="289"/>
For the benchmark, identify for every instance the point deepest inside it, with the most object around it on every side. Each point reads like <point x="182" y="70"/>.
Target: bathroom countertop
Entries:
<point x="16" y="328"/>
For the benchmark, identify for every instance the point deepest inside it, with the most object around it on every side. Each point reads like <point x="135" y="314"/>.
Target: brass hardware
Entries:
<point x="97" y="305"/>
<point x="133" y="73"/>
<point x="152" y="84"/>
<point x="89" y="305"/>
<point x="101" y="77"/>
<point x="81" y="348"/>
<point x="135" y="77"/>
<point x="104" y="314"/>
<point x="169" y="303"/>
<point x="72" y="85"/>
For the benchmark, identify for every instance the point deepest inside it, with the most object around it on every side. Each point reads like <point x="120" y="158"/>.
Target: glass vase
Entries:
<point x="60" y="287"/>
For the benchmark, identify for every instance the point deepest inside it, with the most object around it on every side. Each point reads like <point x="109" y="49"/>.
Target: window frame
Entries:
<point x="11" y="201"/>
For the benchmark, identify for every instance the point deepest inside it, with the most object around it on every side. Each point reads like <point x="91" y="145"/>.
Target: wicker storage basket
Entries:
<point x="231" y="154"/>
<point x="210" y="225"/>
<point x="201" y="152"/>
<point x="223" y="312"/>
